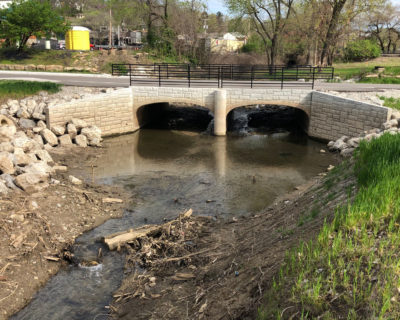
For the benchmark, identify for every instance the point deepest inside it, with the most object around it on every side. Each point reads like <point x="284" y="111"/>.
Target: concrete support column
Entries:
<point x="220" y="113"/>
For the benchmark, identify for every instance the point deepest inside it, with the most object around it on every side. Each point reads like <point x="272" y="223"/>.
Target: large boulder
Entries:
<point x="20" y="158"/>
<point x="6" y="163"/>
<point x="23" y="113"/>
<point x="93" y="133"/>
<point x="8" y="180"/>
<point x="49" y="137"/>
<point x="65" y="140"/>
<point x="7" y="133"/>
<point x="25" y="143"/>
<point x="81" y="141"/>
<point x="79" y="124"/>
<point x="3" y="187"/>
<point x="32" y="182"/>
<point x="6" y="146"/>
<point x="44" y="156"/>
<point x="72" y="131"/>
<point x="41" y="168"/>
<point x="13" y="107"/>
<point x="26" y="123"/>
<point x="58" y="130"/>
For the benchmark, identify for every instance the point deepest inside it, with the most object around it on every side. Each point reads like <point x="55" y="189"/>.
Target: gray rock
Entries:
<point x="13" y="107"/>
<point x="339" y="145"/>
<point x="7" y="147"/>
<point x="96" y="142"/>
<point x="65" y="140"/>
<point x="58" y="130"/>
<point x="354" y="142"/>
<point x="25" y="143"/>
<point x="32" y="182"/>
<point x="20" y="158"/>
<point x="41" y="124"/>
<point x="38" y="116"/>
<point x="92" y="133"/>
<point x="3" y="188"/>
<point x="49" y="137"/>
<point x="44" y="156"/>
<point x="38" y="139"/>
<point x="23" y="113"/>
<point x="81" y="141"/>
<point x="8" y="180"/>
<point x="31" y="105"/>
<point x="6" y="163"/>
<point x="72" y="131"/>
<point x="371" y="136"/>
<point x="7" y="133"/>
<point x="347" y="152"/>
<point x="79" y="124"/>
<point x="41" y="168"/>
<point x="26" y="123"/>
<point x="74" y="180"/>
<point x="390" y="124"/>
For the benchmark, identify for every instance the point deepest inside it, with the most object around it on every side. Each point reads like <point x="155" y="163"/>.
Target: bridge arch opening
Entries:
<point x="174" y="116"/>
<point x="266" y="118"/>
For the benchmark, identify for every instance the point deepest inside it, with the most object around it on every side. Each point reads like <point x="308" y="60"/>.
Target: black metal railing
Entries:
<point x="220" y="76"/>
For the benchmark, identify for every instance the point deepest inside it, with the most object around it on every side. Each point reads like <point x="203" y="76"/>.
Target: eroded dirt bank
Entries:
<point x="200" y="268"/>
<point x="37" y="229"/>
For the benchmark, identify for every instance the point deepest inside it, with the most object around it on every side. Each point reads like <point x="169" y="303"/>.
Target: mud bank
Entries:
<point x="204" y="268"/>
<point x="37" y="230"/>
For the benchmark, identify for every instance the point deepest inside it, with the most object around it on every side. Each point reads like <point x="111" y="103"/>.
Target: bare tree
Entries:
<point x="269" y="19"/>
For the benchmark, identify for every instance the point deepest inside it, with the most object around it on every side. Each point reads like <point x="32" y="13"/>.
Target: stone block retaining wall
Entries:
<point x="111" y="112"/>
<point x="333" y="117"/>
<point x="330" y="117"/>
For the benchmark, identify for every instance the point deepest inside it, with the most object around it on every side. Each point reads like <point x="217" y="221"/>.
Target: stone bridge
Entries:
<point x="123" y="110"/>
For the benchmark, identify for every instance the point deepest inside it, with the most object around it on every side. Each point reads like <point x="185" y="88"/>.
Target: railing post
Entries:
<point x="231" y="71"/>
<point x="188" y="71"/>
<point x="313" y="78"/>
<point x="282" y="79"/>
<point x="252" y="77"/>
<point x="167" y="72"/>
<point x="297" y="73"/>
<point x="130" y="74"/>
<point x="159" y="75"/>
<point x="222" y="77"/>
<point x="209" y="72"/>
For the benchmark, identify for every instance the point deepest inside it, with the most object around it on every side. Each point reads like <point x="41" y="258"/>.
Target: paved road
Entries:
<point x="106" y="81"/>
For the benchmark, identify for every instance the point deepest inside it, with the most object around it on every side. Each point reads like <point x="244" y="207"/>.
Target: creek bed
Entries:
<point x="168" y="172"/>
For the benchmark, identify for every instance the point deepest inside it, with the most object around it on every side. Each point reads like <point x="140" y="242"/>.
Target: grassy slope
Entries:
<point x="14" y="89"/>
<point x="359" y="69"/>
<point x="352" y="270"/>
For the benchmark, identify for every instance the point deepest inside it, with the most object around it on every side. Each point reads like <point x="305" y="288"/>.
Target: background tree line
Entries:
<point x="282" y="31"/>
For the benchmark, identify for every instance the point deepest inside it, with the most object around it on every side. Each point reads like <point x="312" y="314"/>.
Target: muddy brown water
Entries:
<point x="168" y="172"/>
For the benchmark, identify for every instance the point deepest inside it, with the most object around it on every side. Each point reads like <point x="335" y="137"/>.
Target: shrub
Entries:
<point x="361" y="50"/>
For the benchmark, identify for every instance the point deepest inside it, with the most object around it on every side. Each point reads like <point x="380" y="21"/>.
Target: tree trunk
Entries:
<point x="330" y="34"/>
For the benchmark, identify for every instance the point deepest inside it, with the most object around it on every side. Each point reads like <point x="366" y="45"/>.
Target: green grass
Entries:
<point x="15" y="89"/>
<point x="393" y="103"/>
<point x="386" y="80"/>
<point x="349" y="73"/>
<point x="352" y="269"/>
<point x="37" y="57"/>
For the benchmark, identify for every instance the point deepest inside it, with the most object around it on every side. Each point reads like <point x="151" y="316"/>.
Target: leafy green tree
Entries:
<point x="361" y="50"/>
<point x="26" y="18"/>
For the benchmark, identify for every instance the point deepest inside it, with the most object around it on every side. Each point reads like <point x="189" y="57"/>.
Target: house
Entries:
<point x="228" y="43"/>
<point x="4" y="4"/>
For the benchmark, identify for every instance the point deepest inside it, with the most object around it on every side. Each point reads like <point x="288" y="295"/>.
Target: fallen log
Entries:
<point x="116" y="240"/>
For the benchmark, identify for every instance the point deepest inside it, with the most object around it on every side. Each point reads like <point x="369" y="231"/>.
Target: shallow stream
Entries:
<point x="168" y="172"/>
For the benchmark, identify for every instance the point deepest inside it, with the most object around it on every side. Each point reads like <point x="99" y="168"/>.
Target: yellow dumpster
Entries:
<point x="77" y="39"/>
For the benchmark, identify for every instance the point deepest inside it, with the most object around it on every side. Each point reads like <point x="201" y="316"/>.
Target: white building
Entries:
<point x="4" y="3"/>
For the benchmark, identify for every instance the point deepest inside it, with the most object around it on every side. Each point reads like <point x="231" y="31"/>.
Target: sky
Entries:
<point x="218" y="5"/>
